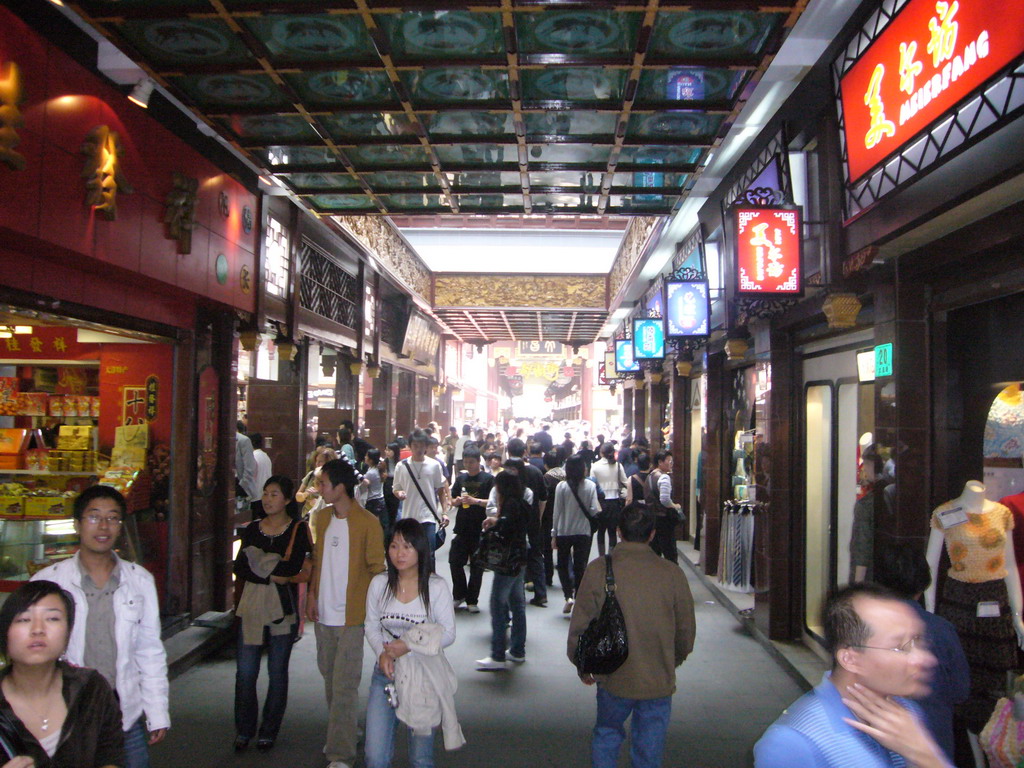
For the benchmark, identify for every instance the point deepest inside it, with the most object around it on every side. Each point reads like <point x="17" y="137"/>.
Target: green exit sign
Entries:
<point x="883" y="360"/>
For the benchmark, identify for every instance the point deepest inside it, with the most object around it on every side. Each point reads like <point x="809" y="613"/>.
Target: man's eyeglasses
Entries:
<point x="113" y="522"/>
<point x="918" y="643"/>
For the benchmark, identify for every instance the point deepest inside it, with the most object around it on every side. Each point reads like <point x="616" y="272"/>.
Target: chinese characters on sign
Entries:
<point x="649" y="339"/>
<point x="553" y="348"/>
<point x="11" y="119"/>
<point x="624" y="360"/>
<point x="931" y="55"/>
<point x="768" y="251"/>
<point x="688" y="311"/>
<point x="103" y="171"/>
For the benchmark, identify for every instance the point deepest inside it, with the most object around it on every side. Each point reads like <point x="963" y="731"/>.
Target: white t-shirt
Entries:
<point x="430" y="478"/>
<point x="332" y="595"/>
<point x="460" y="446"/>
<point x="388" y="619"/>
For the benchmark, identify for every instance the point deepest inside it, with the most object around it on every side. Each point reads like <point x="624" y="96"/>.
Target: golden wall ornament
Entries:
<point x="103" y="172"/>
<point x="11" y="96"/>
<point x="554" y="291"/>
<point x="180" y="216"/>
<point x="634" y="243"/>
<point x="384" y="242"/>
<point x="841" y="310"/>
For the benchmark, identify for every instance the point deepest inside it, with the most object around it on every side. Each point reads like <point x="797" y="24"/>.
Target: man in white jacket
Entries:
<point x="117" y="621"/>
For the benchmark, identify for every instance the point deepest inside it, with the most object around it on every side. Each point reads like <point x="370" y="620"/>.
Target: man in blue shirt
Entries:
<point x="860" y="715"/>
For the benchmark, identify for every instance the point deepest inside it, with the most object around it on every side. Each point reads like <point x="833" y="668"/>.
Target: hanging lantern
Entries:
<point x="683" y="368"/>
<point x="654" y="377"/>
<point x="249" y="338"/>
<point x="736" y="349"/>
<point x="841" y="310"/>
<point x="286" y="348"/>
<point x="356" y="368"/>
<point x="373" y="371"/>
<point x="639" y="385"/>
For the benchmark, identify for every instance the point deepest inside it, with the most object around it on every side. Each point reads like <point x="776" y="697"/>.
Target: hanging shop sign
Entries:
<point x="609" y="367"/>
<point x="421" y="341"/>
<point x="624" y="360"/>
<point x="688" y="308"/>
<point x="929" y="57"/>
<point x="552" y="348"/>
<point x="769" y="256"/>
<point x="649" y="338"/>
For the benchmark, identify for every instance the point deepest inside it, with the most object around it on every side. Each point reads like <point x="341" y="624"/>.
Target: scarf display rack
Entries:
<point x="736" y="555"/>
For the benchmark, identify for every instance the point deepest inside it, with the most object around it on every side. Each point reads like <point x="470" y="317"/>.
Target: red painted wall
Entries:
<point x="51" y="243"/>
<point x="130" y="365"/>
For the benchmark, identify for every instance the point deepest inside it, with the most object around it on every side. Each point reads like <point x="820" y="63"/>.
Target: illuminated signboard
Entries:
<point x="688" y="308"/>
<point x="928" y="58"/>
<point x="624" y="360"/>
<point x="649" y="339"/>
<point x="768" y="252"/>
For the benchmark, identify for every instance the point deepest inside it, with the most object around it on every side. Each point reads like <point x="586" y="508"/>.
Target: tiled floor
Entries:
<point x="534" y="716"/>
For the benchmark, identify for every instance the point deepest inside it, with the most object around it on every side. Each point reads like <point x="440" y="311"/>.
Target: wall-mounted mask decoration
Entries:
<point x="180" y="216"/>
<point x="103" y="172"/>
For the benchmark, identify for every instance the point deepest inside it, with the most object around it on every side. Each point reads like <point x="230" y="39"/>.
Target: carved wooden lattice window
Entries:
<point x="326" y="288"/>
<point x="392" y="322"/>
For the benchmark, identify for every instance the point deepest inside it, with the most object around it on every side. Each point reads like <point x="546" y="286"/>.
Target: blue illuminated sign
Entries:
<point x="649" y="339"/>
<point x="688" y="308"/>
<point x="624" y="360"/>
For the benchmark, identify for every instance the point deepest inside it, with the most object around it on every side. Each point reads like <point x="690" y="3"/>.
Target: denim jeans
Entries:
<point x="381" y="723"/>
<point x="647" y="730"/>
<point x="508" y="593"/>
<point x="136" y="745"/>
<point x="279" y="652"/>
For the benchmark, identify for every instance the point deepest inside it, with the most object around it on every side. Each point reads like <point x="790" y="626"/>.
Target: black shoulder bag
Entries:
<point x="603" y="646"/>
<point x="592" y="519"/>
<point x="440" y="534"/>
<point x="499" y="551"/>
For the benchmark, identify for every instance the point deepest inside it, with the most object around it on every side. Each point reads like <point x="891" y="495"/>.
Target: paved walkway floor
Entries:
<point x="537" y="715"/>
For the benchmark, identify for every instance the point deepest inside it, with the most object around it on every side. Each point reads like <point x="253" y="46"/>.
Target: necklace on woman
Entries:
<point x="44" y="722"/>
<point x="271" y="535"/>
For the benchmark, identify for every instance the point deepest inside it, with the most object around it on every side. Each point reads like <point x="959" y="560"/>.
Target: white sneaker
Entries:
<point x="338" y="764"/>
<point x="490" y="665"/>
<point x="458" y="604"/>
<point x="515" y="659"/>
<point x="568" y="606"/>
<point x="474" y="608"/>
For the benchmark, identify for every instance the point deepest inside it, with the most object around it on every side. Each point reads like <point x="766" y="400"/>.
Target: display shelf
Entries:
<point x="46" y="472"/>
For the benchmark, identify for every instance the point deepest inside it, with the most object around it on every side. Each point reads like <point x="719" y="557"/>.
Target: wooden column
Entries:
<point x="716" y="465"/>
<point x="640" y="413"/>
<point x="627" y="409"/>
<point x="681" y="448"/>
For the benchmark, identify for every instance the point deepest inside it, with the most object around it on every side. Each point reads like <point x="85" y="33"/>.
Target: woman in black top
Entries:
<point x="52" y="715"/>
<point x="638" y="480"/>
<point x="270" y="561"/>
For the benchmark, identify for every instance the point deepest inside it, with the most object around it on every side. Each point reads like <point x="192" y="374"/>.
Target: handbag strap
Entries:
<point x="609" y="576"/>
<point x="408" y="468"/>
<point x="575" y="495"/>
<point x="291" y="542"/>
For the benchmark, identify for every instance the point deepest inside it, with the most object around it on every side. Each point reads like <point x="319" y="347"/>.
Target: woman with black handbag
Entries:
<point x="508" y="591"/>
<point x="574" y="521"/>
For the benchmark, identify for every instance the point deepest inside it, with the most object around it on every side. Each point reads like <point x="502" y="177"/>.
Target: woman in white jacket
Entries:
<point x="405" y="597"/>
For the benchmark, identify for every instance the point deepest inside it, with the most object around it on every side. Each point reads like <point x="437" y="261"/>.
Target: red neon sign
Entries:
<point x="768" y="253"/>
<point x="929" y="57"/>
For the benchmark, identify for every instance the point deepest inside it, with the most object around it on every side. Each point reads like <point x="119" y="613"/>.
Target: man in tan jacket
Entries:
<point x="349" y="551"/>
<point x="658" y="608"/>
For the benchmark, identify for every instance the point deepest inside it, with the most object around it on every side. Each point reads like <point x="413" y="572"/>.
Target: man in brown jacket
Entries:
<point x="347" y="553"/>
<point x="658" y="608"/>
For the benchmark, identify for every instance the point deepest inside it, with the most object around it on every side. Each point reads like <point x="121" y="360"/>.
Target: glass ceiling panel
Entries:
<point x="187" y="42"/>
<point x="712" y="34"/>
<point x="388" y="155"/>
<point x="550" y="202"/>
<point x="574" y="84"/>
<point x="485" y="179"/>
<point x="591" y="154"/>
<point x="414" y="201"/>
<point x="489" y="201"/>
<point x="401" y="179"/>
<point x="225" y="93"/>
<point x="345" y="86"/>
<point x="313" y="38"/>
<point x="419" y="35"/>
<point x="466" y="123"/>
<point x="343" y="202"/>
<point x="565" y="179"/>
<point x="674" y="181"/>
<point x="321" y="181"/>
<point x="477" y="154"/>
<point x="455" y="84"/>
<point x="578" y="32"/>
<point x="572" y="123"/>
<point x="271" y="128"/>
<point x="688" y="84"/>
<point x="676" y="125"/>
<point x="631" y="203"/>
<point x="277" y="156"/>
<point x="654" y="155"/>
<point x="344" y="125"/>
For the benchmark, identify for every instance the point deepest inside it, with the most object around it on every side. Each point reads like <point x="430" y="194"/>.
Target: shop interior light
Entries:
<point x="4" y="334"/>
<point x="23" y="329"/>
<point x="141" y="92"/>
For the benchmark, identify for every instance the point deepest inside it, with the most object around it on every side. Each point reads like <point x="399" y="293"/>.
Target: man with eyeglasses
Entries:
<point x="861" y="714"/>
<point x="117" y="621"/>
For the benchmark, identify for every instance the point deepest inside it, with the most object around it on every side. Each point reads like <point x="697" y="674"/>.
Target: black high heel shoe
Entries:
<point x="241" y="743"/>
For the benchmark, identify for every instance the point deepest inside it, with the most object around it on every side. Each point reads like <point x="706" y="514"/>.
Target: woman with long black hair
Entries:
<point x="576" y="503"/>
<point x="271" y="559"/>
<point x="405" y="597"/>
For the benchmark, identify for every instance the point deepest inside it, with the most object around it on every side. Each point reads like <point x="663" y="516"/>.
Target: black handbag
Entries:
<point x="499" y="552"/>
<point x="603" y="646"/>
